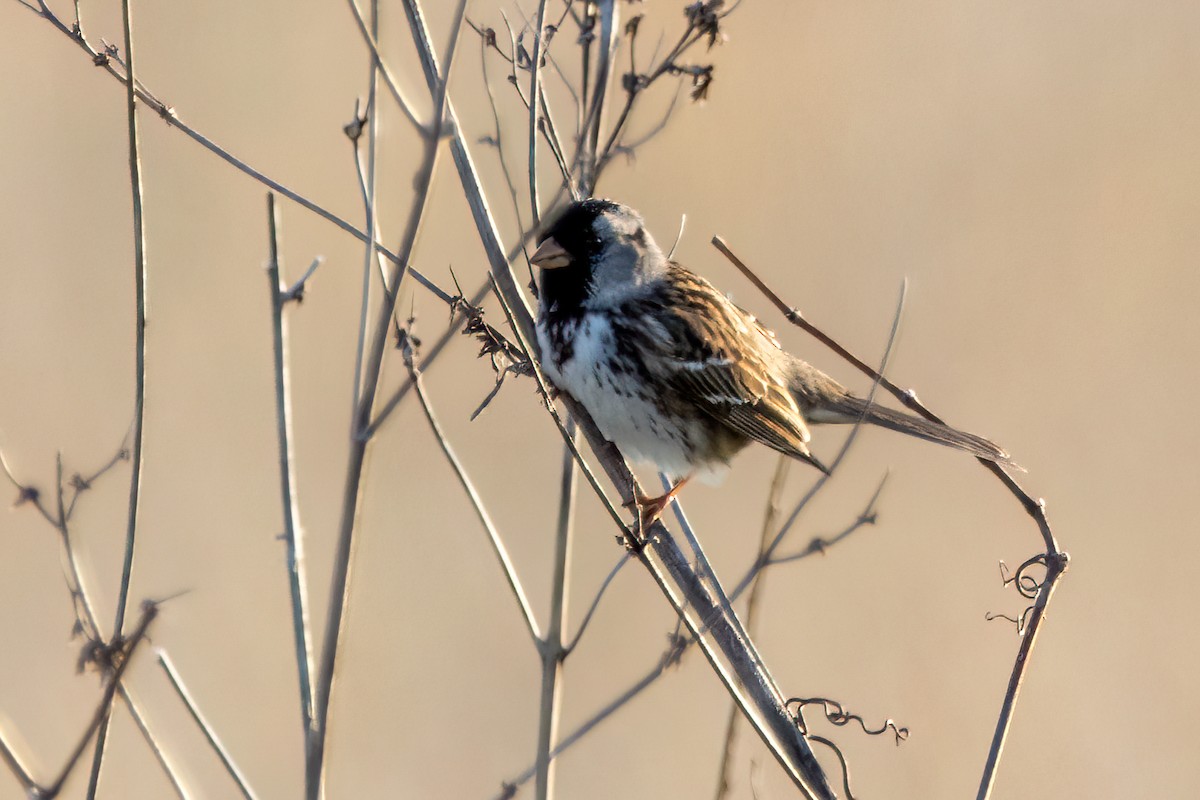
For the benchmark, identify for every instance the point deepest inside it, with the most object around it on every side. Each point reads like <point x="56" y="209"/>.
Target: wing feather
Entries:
<point x="720" y="360"/>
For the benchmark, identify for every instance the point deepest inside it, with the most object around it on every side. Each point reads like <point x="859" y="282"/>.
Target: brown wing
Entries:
<point x="720" y="360"/>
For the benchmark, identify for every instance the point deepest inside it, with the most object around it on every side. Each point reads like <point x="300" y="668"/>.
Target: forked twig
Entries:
<point x="438" y="85"/>
<point x="297" y="584"/>
<point x="552" y="648"/>
<point x="121" y="653"/>
<point x="1056" y="560"/>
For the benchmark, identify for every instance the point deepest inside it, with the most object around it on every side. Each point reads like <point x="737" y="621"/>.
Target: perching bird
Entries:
<point x="673" y="372"/>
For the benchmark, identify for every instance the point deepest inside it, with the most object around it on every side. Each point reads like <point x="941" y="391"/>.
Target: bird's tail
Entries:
<point x="849" y="408"/>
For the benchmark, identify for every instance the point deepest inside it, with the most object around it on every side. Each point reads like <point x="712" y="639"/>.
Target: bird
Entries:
<point x="670" y="369"/>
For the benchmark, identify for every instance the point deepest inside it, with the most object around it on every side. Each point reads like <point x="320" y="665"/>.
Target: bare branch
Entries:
<point x="18" y="769"/>
<point x="1056" y="560"/>
<point x="498" y="547"/>
<point x="369" y="36"/>
<point x="587" y="617"/>
<point x="169" y="115"/>
<point x="139" y="258"/>
<point x="535" y="94"/>
<point x="121" y="654"/>
<point x="160" y="755"/>
<point x="297" y="584"/>
<point x="553" y="652"/>
<point x="438" y="83"/>
<point x="214" y="741"/>
<point x="773" y="500"/>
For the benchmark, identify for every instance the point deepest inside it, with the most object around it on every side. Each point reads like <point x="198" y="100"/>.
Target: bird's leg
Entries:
<point x="650" y="508"/>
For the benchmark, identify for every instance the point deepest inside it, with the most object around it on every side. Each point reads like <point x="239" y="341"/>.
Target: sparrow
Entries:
<point x="673" y="372"/>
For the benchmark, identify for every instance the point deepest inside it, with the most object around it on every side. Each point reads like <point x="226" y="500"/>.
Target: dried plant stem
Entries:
<point x="160" y="755"/>
<point x="86" y="619"/>
<point x="609" y="12"/>
<point x="149" y="612"/>
<point x="139" y="281"/>
<point x="169" y="115"/>
<point x="552" y="650"/>
<point x="587" y="617"/>
<point x="666" y="660"/>
<point x="1055" y="569"/>
<point x="361" y="422"/>
<point x="772" y="512"/>
<point x="371" y="37"/>
<point x="177" y="684"/>
<point x="1054" y="559"/>
<point x="535" y="93"/>
<point x="18" y="769"/>
<point x="506" y="565"/>
<point x="297" y="583"/>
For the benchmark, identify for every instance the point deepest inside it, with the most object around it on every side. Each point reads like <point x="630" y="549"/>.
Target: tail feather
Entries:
<point x="850" y="408"/>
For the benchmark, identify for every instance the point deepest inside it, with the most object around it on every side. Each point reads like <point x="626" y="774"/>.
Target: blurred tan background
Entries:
<point x="1032" y="168"/>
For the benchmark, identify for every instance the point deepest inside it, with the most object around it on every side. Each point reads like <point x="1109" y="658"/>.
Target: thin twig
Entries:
<point x="535" y="93"/>
<point x="171" y="117"/>
<point x="1056" y="560"/>
<point x="772" y="512"/>
<point x="820" y="544"/>
<point x="552" y="649"/>
<point x="139" y="281"/>
<point x="86" y="620"/>
<point x="609" y="12"/>
<point x="127" y="649"/>
<point x="498" y="136"/>
<point x="362" y="419"/>
<point x="214" y="741"/>
<point x="366" y="179"/>
<point x="587" y="617"/>
<point x="160" y="755"/>
<point x="297" y="584"/>
<point x="372" y="42"/>
<point x="498" y="547"/>
<point x="15" y="765"/>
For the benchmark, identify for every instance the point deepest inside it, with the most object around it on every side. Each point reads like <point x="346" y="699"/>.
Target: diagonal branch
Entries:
<point x="177" y="684"/>
<point x="510" y="571"/>
<point x="1054" y="559"/>
<point x="170" y="116"/>
<point x="124" y="654"/>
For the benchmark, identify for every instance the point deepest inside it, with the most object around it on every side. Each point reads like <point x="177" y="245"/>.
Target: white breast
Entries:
<point x="618" y="405"/>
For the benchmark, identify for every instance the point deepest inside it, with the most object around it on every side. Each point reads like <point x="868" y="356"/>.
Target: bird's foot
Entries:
<point x="651" y="508"/>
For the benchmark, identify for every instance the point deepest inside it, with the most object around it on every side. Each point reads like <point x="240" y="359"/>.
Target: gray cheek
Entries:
<point x="616" y="265"/>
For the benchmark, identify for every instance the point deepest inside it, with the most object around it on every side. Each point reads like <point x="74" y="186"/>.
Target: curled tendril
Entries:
<point x="1019" y="623"/>
<point x="838" y="715"/>
<point x="1026" y="584"/>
